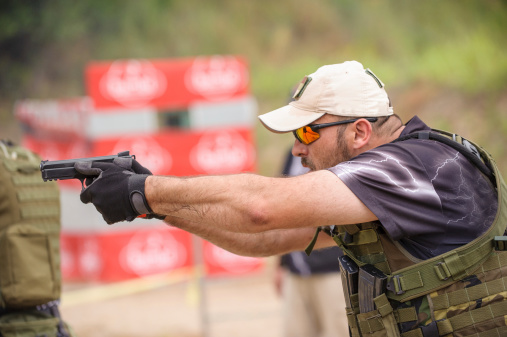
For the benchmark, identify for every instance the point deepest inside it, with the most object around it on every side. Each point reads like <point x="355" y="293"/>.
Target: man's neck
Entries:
<point x="397" y="132"/>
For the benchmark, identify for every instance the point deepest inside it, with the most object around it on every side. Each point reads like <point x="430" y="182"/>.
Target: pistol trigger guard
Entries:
<point x="82" y="180"/>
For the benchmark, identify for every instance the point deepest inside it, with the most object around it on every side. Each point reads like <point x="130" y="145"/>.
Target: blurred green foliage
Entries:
<point x="443" y="60"/>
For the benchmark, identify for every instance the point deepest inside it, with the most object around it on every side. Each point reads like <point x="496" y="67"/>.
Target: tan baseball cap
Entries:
<point x="345" y="89"/>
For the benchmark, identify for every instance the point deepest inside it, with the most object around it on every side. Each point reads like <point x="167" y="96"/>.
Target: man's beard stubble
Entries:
<point x="342" y="154"/>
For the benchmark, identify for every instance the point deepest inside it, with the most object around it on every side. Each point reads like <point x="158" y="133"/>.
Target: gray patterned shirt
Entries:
<point x="426" y="195"/>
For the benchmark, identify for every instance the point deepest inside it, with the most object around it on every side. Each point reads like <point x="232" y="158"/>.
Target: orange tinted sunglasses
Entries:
<point x="308" y="134"/>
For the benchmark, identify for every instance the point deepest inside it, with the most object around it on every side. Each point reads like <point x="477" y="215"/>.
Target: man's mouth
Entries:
<point x="304" y="163"/>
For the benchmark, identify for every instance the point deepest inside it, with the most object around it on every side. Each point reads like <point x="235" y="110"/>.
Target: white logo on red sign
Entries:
<point x="217" y="77"/>
<point x="148" y="152"/>
<point x="152" y="252"/>
<point x="67" y="257"/>
<point x="133" y="83"/>
<point x="222" y="152"/>
<point x="230" y="262"/>
<point x="90" y="263"/>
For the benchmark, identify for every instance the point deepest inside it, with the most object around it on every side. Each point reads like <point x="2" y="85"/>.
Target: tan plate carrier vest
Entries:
<point x="460" y="293"/>
<point x="29" y="231"/>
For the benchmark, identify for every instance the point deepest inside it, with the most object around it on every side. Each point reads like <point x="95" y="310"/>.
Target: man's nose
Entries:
<point x="299" y="149"/>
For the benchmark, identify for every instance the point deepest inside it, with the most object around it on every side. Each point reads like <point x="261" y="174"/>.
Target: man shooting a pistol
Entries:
<point x="421" y="207"/>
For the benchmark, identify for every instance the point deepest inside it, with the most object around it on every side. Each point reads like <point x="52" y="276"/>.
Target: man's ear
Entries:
<point x="363" y="133"/>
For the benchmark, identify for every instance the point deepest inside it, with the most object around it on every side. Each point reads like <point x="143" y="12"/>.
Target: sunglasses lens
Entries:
<point x="306" y="135"/>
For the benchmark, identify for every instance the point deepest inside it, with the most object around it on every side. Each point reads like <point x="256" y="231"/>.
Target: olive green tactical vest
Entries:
<point x="29" y="231"/>
<point x="460" y="293"/>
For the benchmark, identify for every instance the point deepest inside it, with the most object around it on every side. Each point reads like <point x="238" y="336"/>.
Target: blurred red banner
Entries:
<point x="121" y="255"/>
<point x="166" y="83"/>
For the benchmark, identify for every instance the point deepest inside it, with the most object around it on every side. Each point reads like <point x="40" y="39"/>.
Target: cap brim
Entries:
<point x="288" y="118"/>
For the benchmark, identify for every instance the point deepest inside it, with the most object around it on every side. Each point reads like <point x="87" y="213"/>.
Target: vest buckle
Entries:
<point x="430" y="329"/>
<point x="394" y="285"/>
<point x="500" y="243"/>
<point x="442" y="271"/>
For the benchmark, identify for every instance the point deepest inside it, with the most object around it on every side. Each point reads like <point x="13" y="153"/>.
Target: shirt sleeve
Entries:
<point x="394" y="185"/>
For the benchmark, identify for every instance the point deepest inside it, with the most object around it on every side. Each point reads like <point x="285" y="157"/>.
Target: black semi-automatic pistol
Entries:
<point x="64" y="169"/>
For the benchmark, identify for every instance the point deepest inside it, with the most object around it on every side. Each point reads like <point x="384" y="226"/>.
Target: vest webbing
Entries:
<point x="443" y="270"/>
<point x="490" y="294"/>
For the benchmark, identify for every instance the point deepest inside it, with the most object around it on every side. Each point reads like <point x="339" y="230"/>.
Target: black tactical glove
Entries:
<point x="116" y="189"/>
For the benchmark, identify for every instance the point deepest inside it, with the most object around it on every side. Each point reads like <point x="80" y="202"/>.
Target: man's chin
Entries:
<point x="308" y="165"/>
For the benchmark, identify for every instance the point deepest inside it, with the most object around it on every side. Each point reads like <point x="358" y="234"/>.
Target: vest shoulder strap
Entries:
<point x="474" y="153"/>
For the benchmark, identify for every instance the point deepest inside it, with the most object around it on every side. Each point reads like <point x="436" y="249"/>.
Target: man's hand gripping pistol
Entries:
<point x="114" y="184"/>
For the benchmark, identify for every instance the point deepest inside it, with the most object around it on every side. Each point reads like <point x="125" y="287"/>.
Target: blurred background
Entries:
<point x="444" y="61"/>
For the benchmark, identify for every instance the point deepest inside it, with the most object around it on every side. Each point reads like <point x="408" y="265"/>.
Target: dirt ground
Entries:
<point x="244" y="306"/>
<point x="171" y="306"/>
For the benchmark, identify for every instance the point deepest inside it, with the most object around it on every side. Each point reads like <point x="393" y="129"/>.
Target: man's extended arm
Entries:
<point x="248" y="203"/>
